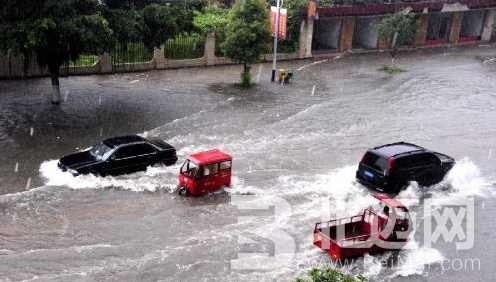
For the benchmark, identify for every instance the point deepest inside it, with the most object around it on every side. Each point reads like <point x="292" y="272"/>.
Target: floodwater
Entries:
<point x="295" y="149"/>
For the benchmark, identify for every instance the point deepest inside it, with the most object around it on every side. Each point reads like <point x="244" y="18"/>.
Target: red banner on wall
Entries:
<point x="283" y="18"/>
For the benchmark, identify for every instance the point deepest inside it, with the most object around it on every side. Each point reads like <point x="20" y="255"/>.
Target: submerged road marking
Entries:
<point x="134" y="81"/>
<point x="314" y="63"/>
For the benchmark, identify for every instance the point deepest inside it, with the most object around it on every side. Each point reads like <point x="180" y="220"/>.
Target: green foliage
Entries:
<point x="127" y="24"/>
<point x="128" y="4"/>
<point x="326" y="3"/>
<point x="297" y="12"/>
<point x="84" y="60"/>
<point x="248" y="33"/>
<point x="214" y="19"/>
<point x="245" y="80"/>
<point x="397" y="30"/>
<point x="211" y="18"/>
<point x="391" y="69"/>
<point x="56" y="31"/>
<point x="160" y="24"/>
<point x="330" y="275"/>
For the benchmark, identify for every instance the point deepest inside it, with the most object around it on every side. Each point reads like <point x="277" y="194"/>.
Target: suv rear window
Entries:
<point x="375" y="161"/>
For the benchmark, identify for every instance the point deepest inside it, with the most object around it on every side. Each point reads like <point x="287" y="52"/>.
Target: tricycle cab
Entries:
<point x="205" y="172"/>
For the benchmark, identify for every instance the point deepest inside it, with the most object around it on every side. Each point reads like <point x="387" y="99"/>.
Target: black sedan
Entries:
<point x="119" y="155"/>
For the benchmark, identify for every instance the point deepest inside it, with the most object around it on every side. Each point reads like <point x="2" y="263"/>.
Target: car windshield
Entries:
<point x="98" y="151"/>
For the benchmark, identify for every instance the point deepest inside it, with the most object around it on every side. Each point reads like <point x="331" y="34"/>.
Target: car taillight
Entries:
<point x="390" y="164"/>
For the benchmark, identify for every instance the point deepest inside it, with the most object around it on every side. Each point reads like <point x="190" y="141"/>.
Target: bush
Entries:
<point x="391" y="69"/>
<point x="330" y="275"/>
<point x="245" y="80"/>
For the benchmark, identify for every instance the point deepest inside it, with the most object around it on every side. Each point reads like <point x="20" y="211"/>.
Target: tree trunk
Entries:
<point x="55" y="98"/>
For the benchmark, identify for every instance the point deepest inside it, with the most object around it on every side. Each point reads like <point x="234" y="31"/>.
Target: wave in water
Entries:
<point x="160" y="178"/>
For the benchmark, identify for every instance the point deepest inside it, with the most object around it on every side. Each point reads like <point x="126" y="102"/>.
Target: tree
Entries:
<point x="53" y="30"/>
<point x="247" y="35"/>
<point x="397" y="30"/>
<point x="212" y="18"/>
<point x="163" y="22"/>
<point x="127" y="24"/>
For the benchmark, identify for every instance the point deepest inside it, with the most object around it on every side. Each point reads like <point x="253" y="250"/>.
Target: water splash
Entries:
<point x="414" y="259"/>
<point x="463" y="180"/>
<point x="159" y="178"/>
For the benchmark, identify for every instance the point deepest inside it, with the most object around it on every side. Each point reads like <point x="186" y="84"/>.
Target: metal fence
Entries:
<point x="83" y="61"/>
<point x="130" y="53"/>
<point x="186" y="46"/>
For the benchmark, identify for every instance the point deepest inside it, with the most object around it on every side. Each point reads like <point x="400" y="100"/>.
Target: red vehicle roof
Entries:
<point x="210" y="156"/>
<point x="390" y="202"/>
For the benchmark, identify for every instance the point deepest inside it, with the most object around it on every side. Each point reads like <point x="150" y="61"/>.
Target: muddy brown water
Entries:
<point x="296" y="144"/>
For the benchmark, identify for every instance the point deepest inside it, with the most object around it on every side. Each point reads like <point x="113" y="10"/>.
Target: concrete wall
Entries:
<point x="365" y="35"/>
<point x="423" y="23"/>
<point x="488" y="25"/>
<point x="439" y="26"/>
<point x="346" y="38"/>
<point x="14" y="67"/>
<point x="453" y="24"/>
<point x="456" y="25"/>
<point x="328" y="31"/>
<point x="472" y="23"/>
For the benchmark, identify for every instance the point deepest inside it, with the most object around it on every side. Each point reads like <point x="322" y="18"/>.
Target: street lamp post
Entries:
<point x="276" y="34"/>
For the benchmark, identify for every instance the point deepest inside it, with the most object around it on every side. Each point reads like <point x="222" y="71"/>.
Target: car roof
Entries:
<point x="210" y="156"/>
<point x="398" y="148"/>
<point x="122" y="140"/>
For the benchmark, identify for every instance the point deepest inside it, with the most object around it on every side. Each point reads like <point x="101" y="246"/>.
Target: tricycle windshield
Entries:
<point x="386" y="210"/>
<point x="189" y="168"/>
<point x="401" y="213"/>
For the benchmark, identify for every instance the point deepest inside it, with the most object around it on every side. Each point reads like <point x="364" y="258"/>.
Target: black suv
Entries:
<point x="390" y="167"/>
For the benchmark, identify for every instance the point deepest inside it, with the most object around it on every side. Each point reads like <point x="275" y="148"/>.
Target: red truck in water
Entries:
<point x="385" y="225"/>
<point x="205" y="172"/>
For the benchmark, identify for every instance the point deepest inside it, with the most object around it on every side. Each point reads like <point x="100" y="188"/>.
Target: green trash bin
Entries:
<point x="289" y="75"/>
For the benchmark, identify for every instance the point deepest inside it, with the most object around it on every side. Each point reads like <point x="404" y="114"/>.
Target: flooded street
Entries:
<point x="299" y="143"/>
